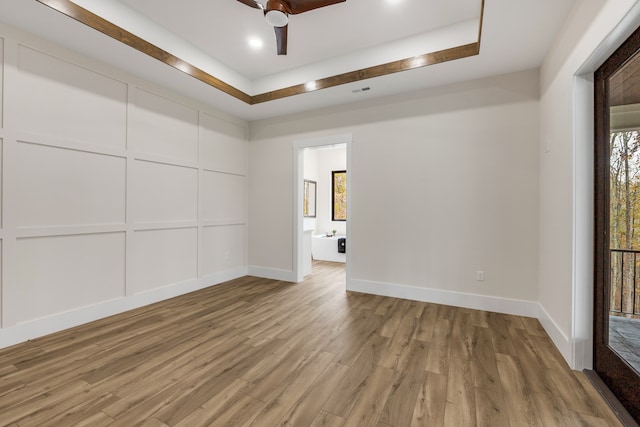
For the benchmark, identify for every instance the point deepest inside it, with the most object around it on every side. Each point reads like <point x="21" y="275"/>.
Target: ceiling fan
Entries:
<point x="277" y="12"/>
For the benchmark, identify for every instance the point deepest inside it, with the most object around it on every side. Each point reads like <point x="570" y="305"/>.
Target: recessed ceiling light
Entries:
<point x="312" y="85"/>
<point x="255" y="43"/>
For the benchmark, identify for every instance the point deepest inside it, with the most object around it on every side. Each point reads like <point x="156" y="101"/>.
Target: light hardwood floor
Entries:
<point x="266" y="353"/>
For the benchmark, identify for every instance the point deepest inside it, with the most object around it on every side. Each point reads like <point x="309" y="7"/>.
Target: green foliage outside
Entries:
<point x="339" y="196"/>
<point x="624" y="216"/>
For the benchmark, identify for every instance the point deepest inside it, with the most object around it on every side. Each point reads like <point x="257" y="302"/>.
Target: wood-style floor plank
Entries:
<point x="257" y="352"/>
<point x="431" y="401"/>
<point x="325" y="419"/>
<point x="518" y="400"/>
<point x="490" y="407"/>
<point x="409" y="377"/>
<point x="309" y="405"/>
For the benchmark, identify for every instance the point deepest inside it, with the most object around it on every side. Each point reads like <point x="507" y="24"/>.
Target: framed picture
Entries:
<point x="339" y="196"/>
<point x="309" y="207"/>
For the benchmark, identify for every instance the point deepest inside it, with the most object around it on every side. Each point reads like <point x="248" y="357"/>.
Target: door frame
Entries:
<point x="577" y="347"/>
<point x="619" y="377"/>
<point x="298" y="194"/>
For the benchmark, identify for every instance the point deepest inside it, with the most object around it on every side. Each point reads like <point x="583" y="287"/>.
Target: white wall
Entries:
<point x="115" y="193"/>
<point x="589" y="36"/>
<point x="444" y="183"/>
<point x="321" y="163"/>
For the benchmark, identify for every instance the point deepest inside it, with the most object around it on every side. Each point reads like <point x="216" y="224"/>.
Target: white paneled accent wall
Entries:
<point x="115" y="193"/>
<point x="227" y="201"/>
<point x="59" y="186"/>
<point x="60" y="99"/>
<point x="163" y="193"/>
<point x="164" y="128"/>
<point x="61" y="273"/>
<point x="222" y="257"/>
<point x="218" y="136"/>
<point x="1" y="77"/>
<point x="1" y="166"/>
<point x="164" y="257"/>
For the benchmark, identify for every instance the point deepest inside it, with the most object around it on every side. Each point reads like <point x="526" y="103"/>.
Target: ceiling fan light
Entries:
<point x="276" y="18"/>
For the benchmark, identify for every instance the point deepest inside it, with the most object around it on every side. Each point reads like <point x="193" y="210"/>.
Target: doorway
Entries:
<point x="617" y="224"/>
<point x="305" y="225"/>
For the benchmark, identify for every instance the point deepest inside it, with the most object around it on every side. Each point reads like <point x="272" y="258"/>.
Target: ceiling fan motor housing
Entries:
<point x="276" y="14"/>
<point x="277" y="5"/>
<point x="276" y="18"/>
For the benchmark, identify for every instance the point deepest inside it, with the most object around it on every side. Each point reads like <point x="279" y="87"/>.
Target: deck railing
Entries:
<point x="625" y="283"/>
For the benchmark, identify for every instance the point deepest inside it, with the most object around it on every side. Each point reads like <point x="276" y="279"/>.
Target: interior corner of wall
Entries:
<point x="563" y="343"/>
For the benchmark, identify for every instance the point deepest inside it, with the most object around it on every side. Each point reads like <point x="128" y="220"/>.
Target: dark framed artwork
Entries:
<point x="310" y="198"/>
<point x="339" y="195"/>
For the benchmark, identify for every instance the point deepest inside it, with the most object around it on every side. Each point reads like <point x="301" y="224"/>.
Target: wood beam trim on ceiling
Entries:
<point x="98" y="23"/>
<point x="86" y="17"/>
<point x="371" y="72"/>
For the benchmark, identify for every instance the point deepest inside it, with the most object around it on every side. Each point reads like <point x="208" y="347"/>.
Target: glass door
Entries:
<point x="617" y="217"/>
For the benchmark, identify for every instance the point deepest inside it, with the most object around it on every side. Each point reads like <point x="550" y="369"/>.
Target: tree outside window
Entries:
<point x="339" y="195"/>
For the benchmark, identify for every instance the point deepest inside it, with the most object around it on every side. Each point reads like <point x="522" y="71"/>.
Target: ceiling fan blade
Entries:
<point x="299" y="6"/>
<point x="281" y="39"/>
<point x="252" y="3"/>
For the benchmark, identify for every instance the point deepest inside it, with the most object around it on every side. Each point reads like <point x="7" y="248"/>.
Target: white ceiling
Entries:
<point x="221" y="28"/>
<point x="213" y="35"/>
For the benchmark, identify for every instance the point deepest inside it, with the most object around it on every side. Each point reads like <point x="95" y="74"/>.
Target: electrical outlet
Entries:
<point x="480" y="276"/>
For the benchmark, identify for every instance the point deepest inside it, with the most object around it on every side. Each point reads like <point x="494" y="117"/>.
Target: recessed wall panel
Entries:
<point x="164" y="127"/>
<point x="67" y="187"/>
<point x="1" y="80"/>
<point x="1" y="182"/>
<point x="223" y="196"/>
<point x="64" y="100"/>
<point x="1" y="273"/>
<point x="223" y="248"/>
<point x="57" y="274"/>
<point x="164" y="193"/>
<point x="163" y="257"/>
<point x="223" y="146"/>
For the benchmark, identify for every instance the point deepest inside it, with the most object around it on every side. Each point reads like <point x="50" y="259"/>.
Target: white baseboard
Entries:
<point x="562" y="343"/>
<point x="476" y="302"/>
<point x="272" y="273"/>
<point x="60" y="321"/>
<point x="439" y="296"/>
